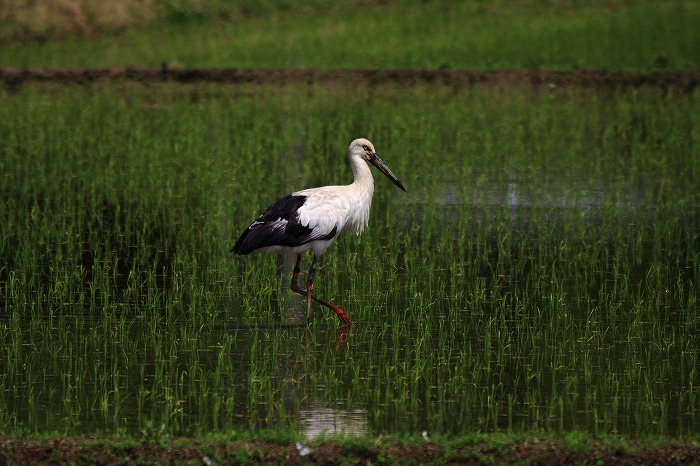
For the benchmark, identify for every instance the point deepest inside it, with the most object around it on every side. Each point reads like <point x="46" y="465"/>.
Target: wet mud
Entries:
<point x="684" y="80"/>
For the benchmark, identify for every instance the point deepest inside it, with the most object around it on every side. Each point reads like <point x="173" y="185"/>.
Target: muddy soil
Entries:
<point x="683" y="80"/>
<point x="188" y="451"/>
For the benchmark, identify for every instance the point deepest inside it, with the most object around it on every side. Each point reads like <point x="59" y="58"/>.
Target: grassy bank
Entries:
<point x="533" y="35"/>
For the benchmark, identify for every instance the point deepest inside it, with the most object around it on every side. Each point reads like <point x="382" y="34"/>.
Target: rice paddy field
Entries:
<point x="541" y="274"/>
<point x="538" y="281"/>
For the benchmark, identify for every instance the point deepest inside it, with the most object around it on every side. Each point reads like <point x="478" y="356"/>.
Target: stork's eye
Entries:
<point x="366" y="148"/>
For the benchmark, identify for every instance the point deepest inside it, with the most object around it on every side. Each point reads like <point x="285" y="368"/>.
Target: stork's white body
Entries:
<point x="312" y="219"/>
<point x="343" y="208"/>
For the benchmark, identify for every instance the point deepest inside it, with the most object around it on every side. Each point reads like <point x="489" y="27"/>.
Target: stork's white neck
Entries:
<point x="362" y="189"/>
<point x="362" y="174"/>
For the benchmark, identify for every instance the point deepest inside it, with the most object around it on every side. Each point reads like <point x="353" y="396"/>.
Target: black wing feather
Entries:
<point x="278" y="226"/>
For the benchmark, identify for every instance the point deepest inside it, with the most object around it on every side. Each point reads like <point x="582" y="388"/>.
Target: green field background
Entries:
<point x="633" y="35"/>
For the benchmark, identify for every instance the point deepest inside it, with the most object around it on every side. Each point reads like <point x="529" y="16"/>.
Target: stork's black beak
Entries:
<point x="379" y="163"/>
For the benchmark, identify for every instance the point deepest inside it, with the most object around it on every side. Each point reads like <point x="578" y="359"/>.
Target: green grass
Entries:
<point x="627" y="35"/>
<point x="539" y="276"/>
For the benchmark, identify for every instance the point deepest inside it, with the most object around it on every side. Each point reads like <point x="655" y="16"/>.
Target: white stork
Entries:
<point x="313" y="219"/>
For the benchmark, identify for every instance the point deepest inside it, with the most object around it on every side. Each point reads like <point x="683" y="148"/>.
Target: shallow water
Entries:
<point x="301" y="385"/>
<point x="495" y="357"/>
<point x="559" y="294"/>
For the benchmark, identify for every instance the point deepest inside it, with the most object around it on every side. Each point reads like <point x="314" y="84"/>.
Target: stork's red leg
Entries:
<point x="295" y="276"/>
<point x="309" y="287"/>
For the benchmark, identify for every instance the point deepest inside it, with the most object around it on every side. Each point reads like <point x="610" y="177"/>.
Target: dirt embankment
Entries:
<point x="532" y="451"/>
<point x="684" y="80"/>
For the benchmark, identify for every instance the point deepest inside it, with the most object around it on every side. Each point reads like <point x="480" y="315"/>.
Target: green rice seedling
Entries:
<point x="541" y="274"/>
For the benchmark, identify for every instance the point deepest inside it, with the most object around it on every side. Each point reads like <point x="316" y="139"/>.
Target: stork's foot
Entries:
<point x="309" y="297"/>
<point x="338" y="311"/>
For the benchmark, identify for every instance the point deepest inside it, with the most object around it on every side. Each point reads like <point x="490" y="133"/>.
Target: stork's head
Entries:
<point x="364" y="149"/>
